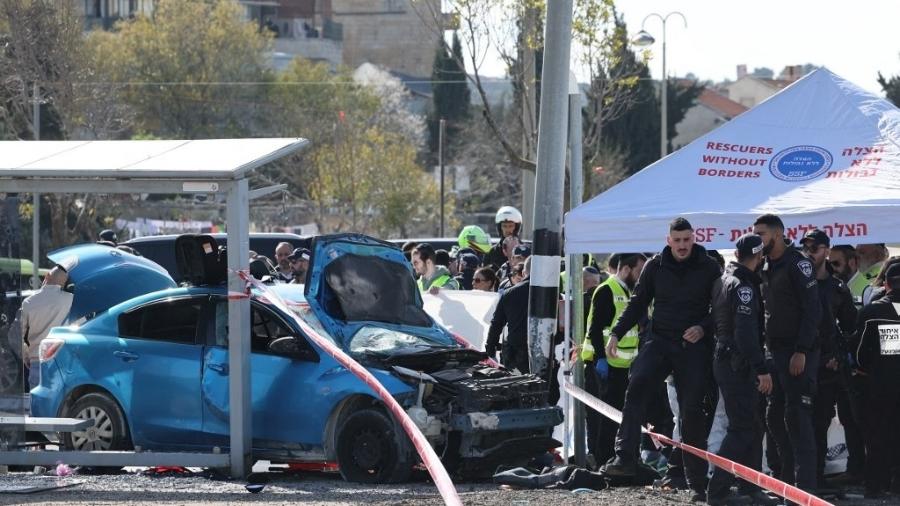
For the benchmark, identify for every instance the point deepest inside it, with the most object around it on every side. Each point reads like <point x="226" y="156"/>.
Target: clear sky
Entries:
<point x="855" y="39"/>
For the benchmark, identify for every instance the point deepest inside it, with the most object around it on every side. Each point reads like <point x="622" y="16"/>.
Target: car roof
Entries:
<point x="219" y="235"/>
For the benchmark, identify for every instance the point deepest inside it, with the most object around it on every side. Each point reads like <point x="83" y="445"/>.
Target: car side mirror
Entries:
<point x="291" y="347"/>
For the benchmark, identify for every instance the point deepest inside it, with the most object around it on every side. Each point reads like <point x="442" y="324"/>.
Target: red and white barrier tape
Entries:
<point x="767" y="482"/>
<point x="423" y="447"/>
<point x="466" y="344"/>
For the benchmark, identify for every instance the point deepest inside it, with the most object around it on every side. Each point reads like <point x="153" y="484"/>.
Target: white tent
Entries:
<point x="822" y="153"/>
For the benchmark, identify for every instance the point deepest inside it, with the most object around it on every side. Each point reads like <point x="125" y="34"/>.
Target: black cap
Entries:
<point x="816" y="237"/>
<point x="748" y="244"/>
<point x="522" y="251"/>
<point x="892" y="272"/>
<point x="469" y="261"/>
<point x="109" y="235"/>
<point x="299" y="254"/>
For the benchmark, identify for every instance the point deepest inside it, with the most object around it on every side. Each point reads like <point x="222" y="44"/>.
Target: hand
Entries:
<point x="693" y="334"/>
<point x="612" y="346"/>
<point x="765" y="384"/>
<point x="434" y="290"/>
<point x="798" y="363"/>
<point x="832" y="364"/>
<point x="573" y="356"/>
<point x="602" y="368"/>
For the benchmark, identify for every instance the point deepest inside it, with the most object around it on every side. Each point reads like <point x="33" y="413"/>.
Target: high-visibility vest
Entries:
<point x="626" y="350"/>
<point x="862" y="280"/>
<point x="440" y="281"/>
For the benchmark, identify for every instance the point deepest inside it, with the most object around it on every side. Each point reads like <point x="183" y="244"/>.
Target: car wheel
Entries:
<point x="371" y="450"/>
<point x="109" y="431"/>
<point x="10" y="371"/>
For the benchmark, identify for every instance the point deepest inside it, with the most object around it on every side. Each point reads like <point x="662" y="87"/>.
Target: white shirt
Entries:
<point x="44" y="310"/>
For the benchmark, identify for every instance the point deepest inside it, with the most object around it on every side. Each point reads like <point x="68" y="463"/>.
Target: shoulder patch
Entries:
<point x="806" y="267"/>
<point x="744" y="310"/>
<point x="745" y="294"/>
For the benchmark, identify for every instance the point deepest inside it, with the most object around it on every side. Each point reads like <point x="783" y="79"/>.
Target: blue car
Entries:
<point x="151" y="368"/>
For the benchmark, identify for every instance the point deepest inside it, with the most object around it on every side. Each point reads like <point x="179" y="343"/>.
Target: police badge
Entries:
<point x="745" y="293"/>
<point x="805" y="267"/>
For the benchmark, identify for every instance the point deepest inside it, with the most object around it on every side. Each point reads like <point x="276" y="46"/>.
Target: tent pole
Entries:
<point x="574" y="262"/>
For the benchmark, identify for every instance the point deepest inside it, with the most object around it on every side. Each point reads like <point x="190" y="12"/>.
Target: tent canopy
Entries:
<point x="823" y="153"/>
<point x="210" y="159"/>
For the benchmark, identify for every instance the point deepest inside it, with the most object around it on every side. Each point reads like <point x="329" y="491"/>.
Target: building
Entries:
<point x="750" y="90"/>
<point x="710" y="111"/>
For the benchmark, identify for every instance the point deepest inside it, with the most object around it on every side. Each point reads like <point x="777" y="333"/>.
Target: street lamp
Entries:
<point x="643" y="39"/>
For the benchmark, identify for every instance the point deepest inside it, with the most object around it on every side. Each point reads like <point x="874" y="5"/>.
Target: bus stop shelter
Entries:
<point x="214" y="166"/>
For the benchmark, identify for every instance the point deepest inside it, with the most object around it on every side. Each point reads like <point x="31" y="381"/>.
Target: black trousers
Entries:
<point x="790" y="419"/>
<point x="850" y="402"/>
<point x="824" y="408"/>
<point x="743" y="440"/>
<point x="690" y="364"/>
<point x="882" y="411"/>
<point x="601" y="431"/>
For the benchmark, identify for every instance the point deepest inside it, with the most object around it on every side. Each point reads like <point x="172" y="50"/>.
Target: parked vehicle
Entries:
<point x="152" y="371"/>
<point x="161" y="248"/>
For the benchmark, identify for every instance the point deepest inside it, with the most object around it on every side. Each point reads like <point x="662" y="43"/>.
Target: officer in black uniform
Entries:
<point x="740" y="369"/>
<point x="793" y="311"/>
<point x="878" y="356"/>
<point x="837" y="308"/>
<point x="679" y="282"/>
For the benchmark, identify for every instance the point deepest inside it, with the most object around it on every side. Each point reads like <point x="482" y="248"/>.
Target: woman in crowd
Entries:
<point x="485" y="280"/>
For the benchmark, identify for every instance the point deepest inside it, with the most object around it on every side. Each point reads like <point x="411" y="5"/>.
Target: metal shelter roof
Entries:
<point x="208" y="159"/>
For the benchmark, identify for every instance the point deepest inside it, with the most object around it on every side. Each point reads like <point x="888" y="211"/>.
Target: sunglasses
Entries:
<point x="479" y="280"/>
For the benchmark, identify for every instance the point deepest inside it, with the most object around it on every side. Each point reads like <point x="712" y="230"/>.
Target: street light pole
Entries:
<point x="645" y="39"/>
<point x="441" y="130"/>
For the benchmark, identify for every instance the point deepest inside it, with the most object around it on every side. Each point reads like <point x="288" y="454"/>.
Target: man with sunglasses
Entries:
<point x="838" y="320"/>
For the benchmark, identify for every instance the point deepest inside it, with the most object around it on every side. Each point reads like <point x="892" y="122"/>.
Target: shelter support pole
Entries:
<point x="574" y="262"/>
<point x="550" y="177"/>
<point x="240" y="415"/>
<point x="36" y="241"/>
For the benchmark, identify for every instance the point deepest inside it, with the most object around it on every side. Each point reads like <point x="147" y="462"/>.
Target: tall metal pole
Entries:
<point x="664" y="99"/>
<point x="441" y="126"/>
<point x="548" y="202"/>
<point x="529" y="120"/>
<point x="36" y="207"/>
<point x="574" y="262"/>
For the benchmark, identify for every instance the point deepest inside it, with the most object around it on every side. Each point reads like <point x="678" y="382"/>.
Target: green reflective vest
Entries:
<point x="627" y="348"/>
<point x="862" y="280"/>
<point x="439" y="282"/>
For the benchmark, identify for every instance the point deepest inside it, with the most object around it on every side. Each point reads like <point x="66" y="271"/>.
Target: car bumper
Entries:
<point x="47" y="397"/>
<point x="512" y="419"/>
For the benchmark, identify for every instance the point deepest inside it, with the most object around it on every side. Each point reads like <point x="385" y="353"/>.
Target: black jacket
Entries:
<point x="738" y="312"/>
<point x="512" y="312"/>
<point x="878" y="339"/>
<point x="793" y="308"/>
<point x="680" y="292"/>
<point x="838" y="319"/>
<point x="495" y="257"/>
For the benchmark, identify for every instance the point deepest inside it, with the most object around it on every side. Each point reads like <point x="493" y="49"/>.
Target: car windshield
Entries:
<point x="381" y="340"/>
<point x="306" y="314"/>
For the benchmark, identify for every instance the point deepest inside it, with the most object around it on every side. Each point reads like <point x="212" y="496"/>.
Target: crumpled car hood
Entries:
<point x="101" y="277"/>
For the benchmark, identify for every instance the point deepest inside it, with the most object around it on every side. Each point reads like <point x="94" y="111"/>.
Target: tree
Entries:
<point x="891" y="88"/>
<point x="183" y="69"/>
<point x="451" y="98"/>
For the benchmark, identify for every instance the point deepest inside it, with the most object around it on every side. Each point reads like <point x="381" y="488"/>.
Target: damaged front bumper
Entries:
<point x="511" y="419"/>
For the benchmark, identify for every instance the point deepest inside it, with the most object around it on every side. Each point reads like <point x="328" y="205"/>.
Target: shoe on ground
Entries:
<point x="617" y="466"/>
<point x="760" y="498"/>
<point x="671" y="483"/>
<point x="698" y="496"/>
<point x="728" y="500"/>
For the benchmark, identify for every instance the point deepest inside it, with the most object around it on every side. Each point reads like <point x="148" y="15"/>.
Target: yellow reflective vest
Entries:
<point x="627" y="348"/>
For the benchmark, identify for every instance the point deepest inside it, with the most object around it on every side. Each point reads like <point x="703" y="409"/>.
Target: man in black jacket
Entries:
<point x="878" y="356"/>
<point x="740" y="369"/>
<point x="512" y="312"/>
<point x="793" y="311"/>
<point x="679" y="282"/>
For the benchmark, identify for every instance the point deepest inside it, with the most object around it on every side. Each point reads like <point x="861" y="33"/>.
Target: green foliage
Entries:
<point x="183" y="67"/>
<point x="891" y="88"/>
<point x="451" y="97"/>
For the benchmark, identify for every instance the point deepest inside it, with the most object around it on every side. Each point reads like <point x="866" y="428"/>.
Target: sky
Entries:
<point x="854" y="39"/>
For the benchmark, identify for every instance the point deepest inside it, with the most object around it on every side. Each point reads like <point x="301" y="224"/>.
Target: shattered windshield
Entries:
<point x="306" y="314"/>
<point x="381" y="340"/>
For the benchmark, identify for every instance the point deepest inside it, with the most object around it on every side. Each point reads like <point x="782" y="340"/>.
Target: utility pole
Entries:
<point x="550" y="178"/>
<point x="441" y="127"/>
<point x="574" y="261"/>
<point x="36" y="208"/>
<point x="529" y="120"/>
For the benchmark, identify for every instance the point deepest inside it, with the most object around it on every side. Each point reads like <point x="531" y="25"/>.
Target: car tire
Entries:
<point x="109" y="433"/>
<point x="372" y="449"/>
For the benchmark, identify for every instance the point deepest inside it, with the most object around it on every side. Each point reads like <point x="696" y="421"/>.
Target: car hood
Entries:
<point x="356" y="280"/>
<point x="101" y="277"/>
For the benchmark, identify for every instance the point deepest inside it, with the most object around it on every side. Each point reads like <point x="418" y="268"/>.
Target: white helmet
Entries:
<point x="508" y="213"/>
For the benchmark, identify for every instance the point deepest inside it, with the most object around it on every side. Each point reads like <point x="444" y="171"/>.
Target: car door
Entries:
<point x="160" y="357"/>
<point x="282" y="387"/>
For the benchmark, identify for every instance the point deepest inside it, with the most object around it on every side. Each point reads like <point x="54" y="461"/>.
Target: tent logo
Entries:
<point x="800" y="163"/>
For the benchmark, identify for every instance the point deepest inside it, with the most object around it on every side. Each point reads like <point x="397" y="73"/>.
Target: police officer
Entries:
<point x="878" y="356"/>
<point x="740" y="369"/>
<point x="837" y="306"/>
<point x="509" y="223"/>
<point x="793" y="311"/>
<point x="679" y="282"/>
<point x="607" y="377"/>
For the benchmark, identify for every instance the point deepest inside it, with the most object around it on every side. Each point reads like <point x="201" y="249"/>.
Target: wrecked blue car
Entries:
<point x="151" y="369"/>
